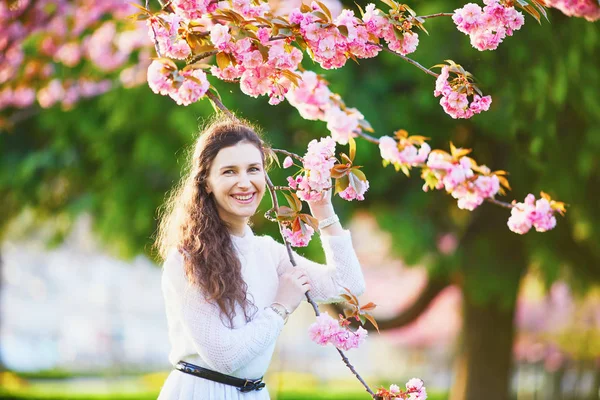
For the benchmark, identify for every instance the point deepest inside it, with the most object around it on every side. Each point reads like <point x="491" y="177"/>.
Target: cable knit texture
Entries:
<point x="198" y="334"/>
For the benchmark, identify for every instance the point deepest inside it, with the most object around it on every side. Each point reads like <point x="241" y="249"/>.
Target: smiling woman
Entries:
<point x="228" y="292"/>
<point x="237" y="182"/>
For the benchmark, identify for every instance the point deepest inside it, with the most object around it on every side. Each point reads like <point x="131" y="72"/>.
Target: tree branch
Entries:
<point x="290" y="154"/>
<point x="436" y="15"/>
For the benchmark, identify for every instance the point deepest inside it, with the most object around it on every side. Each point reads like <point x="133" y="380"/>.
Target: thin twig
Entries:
<point x="347" y="362"/>
<point x="308" y="296"/>
<point x="367" y="137"/>
<point x="409" y="60"/>
<point x="213" y="97"/>
<point x="287" y="153"/>
<point x="435" y="15"/>
<point x="201" y="56"/>
<point x="499" y="203"/>
<point x="288" y="247"/>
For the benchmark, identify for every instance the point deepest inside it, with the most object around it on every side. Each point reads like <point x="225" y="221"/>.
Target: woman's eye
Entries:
<point x="228" y="172"/>
<point x="255" y="169"/>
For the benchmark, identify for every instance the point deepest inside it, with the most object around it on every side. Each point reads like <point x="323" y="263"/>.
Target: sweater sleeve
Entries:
<point x="342" y="269"/>
<point x="224" y="349"/>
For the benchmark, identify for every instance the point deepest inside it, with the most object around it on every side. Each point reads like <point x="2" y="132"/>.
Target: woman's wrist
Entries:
<point x="280" y="310"/>
<point x="322" y="212"/>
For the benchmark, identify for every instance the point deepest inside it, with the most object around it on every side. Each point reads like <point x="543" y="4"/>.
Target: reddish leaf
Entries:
<point x="372" y="320"/>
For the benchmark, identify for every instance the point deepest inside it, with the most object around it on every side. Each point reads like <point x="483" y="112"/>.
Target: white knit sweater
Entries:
<point x="199" y="336"/>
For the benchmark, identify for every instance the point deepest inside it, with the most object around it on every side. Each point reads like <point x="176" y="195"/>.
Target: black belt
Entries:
<point x="243" y="385"/>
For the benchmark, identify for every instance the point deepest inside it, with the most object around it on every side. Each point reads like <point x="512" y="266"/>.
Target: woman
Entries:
<point x="227" y="291"/>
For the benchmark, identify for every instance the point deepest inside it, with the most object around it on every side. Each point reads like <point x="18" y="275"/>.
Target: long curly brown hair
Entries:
<point x="190" y="221"/>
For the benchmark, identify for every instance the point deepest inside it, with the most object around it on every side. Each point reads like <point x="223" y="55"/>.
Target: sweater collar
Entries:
<point x="243" y="242"/>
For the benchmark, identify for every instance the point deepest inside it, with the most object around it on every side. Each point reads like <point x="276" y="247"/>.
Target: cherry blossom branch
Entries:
<point x="435" y="15"/>
<point x="202" y="55"/>
<point x="289" y="154"/>
<point x="314" y="305"/>
<point x="215" y="99"/>
<point x="288" y="247"/>
<point x="374" y="140"/>
<point x="499" y="203"/>
<point x="351" y="367"/>
<point x="407" y="59"/>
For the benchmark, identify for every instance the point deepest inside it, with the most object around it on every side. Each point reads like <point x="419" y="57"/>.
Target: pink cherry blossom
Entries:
<point x="538" y="214"/>
<point x="159" y="78"/>
<point x="328" y="330"/>
<point x="356" y="190"/>
<point x="298" y="238"/>
<point x="487" y="27"/>
<point x="317" y="164"/>
<point x="456" y="104"/>
<point x="194" y="86"/>
<point x="219" y="36"/>
<point x="288" y="162"/>
<point x="588" y="9"/>
<point x="342" y="124"/>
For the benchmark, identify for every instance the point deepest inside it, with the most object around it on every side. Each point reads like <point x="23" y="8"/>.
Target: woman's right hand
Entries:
<point x="293" y="285"/>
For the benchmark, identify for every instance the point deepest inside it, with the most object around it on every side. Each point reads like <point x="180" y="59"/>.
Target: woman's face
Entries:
<point x="237" y="181"/>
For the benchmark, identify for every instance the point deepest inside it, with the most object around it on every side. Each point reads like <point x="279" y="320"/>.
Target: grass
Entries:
<point x="284" y="386"/>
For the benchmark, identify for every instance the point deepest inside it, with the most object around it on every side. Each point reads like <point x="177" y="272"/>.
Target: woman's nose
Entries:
<point x="244" y="180"/>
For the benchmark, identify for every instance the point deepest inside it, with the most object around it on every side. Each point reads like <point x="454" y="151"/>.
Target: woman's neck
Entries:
<point x="237" y="227"/>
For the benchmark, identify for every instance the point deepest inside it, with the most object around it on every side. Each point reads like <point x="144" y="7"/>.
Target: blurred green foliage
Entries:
<point x="116" y="156"/>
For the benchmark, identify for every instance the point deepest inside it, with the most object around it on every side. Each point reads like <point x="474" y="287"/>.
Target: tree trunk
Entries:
<point x="484" y="365"/>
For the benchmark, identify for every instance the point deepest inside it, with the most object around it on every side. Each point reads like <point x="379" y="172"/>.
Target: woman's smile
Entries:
<point x="244" y="198"/>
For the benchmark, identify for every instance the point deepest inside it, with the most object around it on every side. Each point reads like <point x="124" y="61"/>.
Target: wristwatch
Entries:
<point x="280" y="310"/>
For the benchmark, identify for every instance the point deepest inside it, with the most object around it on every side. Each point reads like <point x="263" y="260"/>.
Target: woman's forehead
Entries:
<point x="241" y="154"/>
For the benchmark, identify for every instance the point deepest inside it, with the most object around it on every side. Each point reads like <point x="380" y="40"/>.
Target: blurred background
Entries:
<point x="88" y="153"/>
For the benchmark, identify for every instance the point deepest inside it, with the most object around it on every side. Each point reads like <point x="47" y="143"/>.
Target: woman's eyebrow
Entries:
<point x="235" y="166"/>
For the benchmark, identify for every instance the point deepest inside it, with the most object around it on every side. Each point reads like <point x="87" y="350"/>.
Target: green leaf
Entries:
<point x="359" y="174"/>
<point x="341" y="184"/>
<point x="352" y="144"/>
<point x="291" y="202"/>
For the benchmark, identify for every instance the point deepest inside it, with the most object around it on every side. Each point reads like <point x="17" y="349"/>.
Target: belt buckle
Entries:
<point x="252" y="384"/>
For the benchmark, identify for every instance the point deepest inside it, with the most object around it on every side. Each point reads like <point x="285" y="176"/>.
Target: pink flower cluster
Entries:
<point x="69" y="91"/>
<point x="331" y="46"/>
<point x="317" y="164"/>
<point x="356" y="189"/>
<point x="257" y="76"/>
<point x="409" y="155"/>
<point x="164" y="29"/>
<point x="415" y="389"/>
<point x="456" y="104"/>
<point x="538" y="214"/>
<point x="381" y="26"/>
<point x="459" y="179"/>
<point x="328" y="330"/>
<point x="487" y="27"/>
<point x="68" y="33"/>
<point x="185" y="86"/>
<point x="588" y="9"/>
<point x="193" y="9"/>
<point x="310" y="97"/>
<point x="298" y="238"/>
<point x="313" y="99"/>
